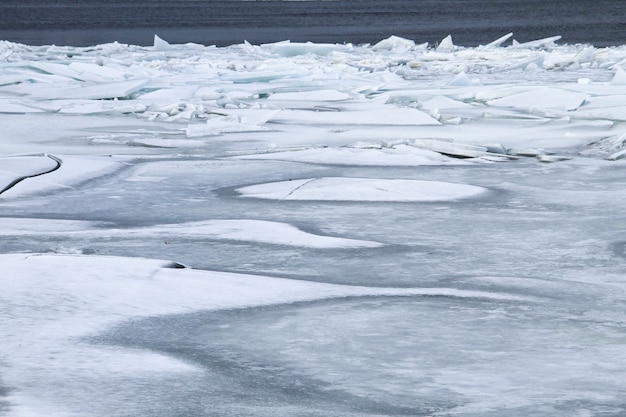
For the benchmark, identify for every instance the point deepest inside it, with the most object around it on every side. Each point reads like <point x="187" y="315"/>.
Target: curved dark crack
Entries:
<point x="16" y="181"/>
<point x="299" y="187"/>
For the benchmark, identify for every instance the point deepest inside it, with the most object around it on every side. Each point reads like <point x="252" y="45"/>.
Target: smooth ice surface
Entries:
<point x="387" y="229"/>
<point x="507" y="357"/>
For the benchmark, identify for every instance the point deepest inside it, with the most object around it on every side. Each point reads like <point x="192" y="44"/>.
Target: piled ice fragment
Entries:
<point x="395" y="89"/>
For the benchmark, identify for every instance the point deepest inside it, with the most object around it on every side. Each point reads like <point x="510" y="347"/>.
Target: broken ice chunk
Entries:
<point x="618" y="155"/>
<point x="315" y="95"/>
<point x="498" y="42"/>
<point x="251" y="116"/>
<point x="160" y="44"/>
<point x="461" y="150"/>
<point x="552" y="158"/>
<point x="365" y="155"/>
<point x="247" y="77"/>
<point x="290" y="49"/>
<point x="446" y="44"/>
<point x="540" y="43"/>
<point x="15" y="169"/>
<point x="86" y="107"/>
<point x="220" y="125"/>
<point x="121" y="89"/>
<point x="383" y="117"/>
<point x="462" y="80"/>
<point x="528" y="152"/>
<point x="542" y="98"/>
<point x="394" y="42"/>
<point x="620" y="77"/>
<point x="97" y="73"/>
<point x="8" y="106"/>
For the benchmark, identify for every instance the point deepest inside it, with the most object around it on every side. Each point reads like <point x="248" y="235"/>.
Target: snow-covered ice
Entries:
<point x="361" y="189"/>
<point x="238" y="230"/>
<point x="388" y="229"/>
<point x="48" y="316"/>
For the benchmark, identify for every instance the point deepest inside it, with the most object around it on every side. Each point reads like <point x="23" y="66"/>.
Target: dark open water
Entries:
<point x="471" y="22"/>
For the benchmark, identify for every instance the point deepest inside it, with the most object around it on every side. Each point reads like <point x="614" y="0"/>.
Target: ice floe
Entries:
<point x="15" y="169"/>
<point x="244" y="230"/>
<point x="361" y="189"/>
<point x="26" y="176"/>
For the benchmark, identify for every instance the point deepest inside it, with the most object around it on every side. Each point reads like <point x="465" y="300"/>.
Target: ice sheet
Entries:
<point x="154" y="140"/>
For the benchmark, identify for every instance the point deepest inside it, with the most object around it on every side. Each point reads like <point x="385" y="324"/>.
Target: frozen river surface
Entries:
<point x="313" y="230"/>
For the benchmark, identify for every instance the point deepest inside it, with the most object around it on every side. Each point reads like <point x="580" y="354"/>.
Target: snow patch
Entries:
<point x="361" y="189"/>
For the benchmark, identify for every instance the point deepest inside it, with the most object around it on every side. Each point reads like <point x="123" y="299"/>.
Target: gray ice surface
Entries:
<point x="551" y="233"/>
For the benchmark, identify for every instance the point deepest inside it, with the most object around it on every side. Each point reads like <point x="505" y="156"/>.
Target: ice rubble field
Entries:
<point x="514" y="343"/>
